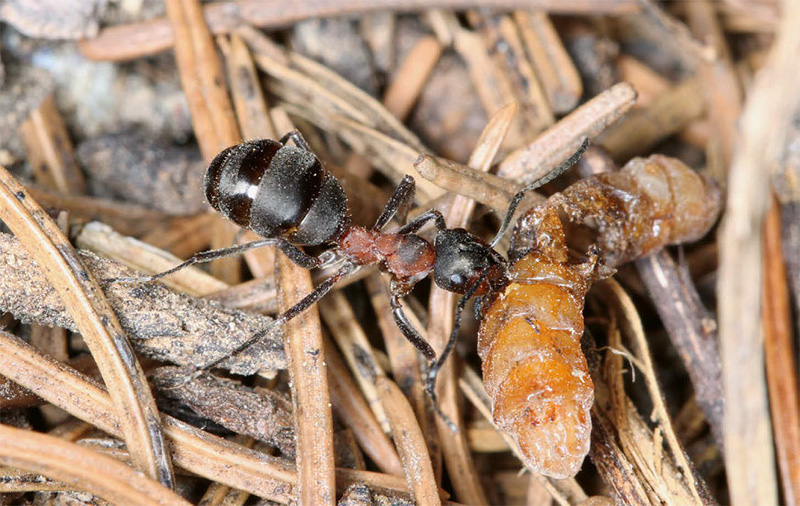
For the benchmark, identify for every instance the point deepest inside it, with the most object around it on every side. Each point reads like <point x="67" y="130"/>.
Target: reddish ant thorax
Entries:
<point x="407" y="257"/>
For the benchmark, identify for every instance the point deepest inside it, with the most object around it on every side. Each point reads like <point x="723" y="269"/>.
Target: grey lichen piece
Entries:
<point x="54" y="19"/>
<point x="160" y="323"/>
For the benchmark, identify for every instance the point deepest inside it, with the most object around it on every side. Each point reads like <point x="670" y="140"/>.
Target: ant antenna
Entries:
<point x="436" y="365"/>
<point x="512" y="207"/>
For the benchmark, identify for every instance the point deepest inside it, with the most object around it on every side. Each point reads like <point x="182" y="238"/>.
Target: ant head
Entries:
<point x="461" y="258"/>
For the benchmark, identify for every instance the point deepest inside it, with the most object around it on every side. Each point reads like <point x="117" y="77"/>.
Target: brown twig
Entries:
<point x="630" y="323"/>
<point x="405" y="364"/>
<point x="192" y="449"/>
<point x="127" y="219"/>
<point x="213" y="119"/>
<point x="643" y="128"/>
<point x="354" y="412"/>
<point x="261" y="414"/>
<point x="562" y="139"/>
<point x="723" y="94"/>
<point x="50" y="150"/>
<point x="82" y="468"/>
<point x="357" y="351"/>
<point x="98" y="324"/>
<point x="160" y="323"/>
<point x="766" y="119"/>
<point x="410" y="444"/>
<point x="487" y="189"/>
<point x="554" y="67"/>
<point x="692" y="331"/>
<point x="138" y="40"/>
<point x="515" y="78"/>
<point x="779" y="358"/>
<point x="310" y="395"/>
<point x="104" y="241"/>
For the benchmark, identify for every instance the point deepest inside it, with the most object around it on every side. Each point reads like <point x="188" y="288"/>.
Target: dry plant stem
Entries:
<point x="765" y="121"/>
<point x="537" y="494"/>
<point x="161" y="324"/>
<point x="316" y="478"/>
<point x="779" y="358"/>
<point x="628" y="454"/>
<point x="675" y="31"/>
<point x="257" y="295"/>
<point x="302" y="72"/>
<point x="648" y="83"/>
<point x="723" y="93"/>
<point x="410" y="78"/>
<point x="212" y="114"/>
<point x="95" y="318"/>
<point x="193" y="449"/>
<point x="554" y="67"/>
<point x="125" y="42"/>
<point x="357" y="351"/>
<point x="504" y="42"/>
<point x="213" y="120"/>
<point x="612" y="465"/>
<point x="492" y="82"/>
<point x="643" y="128"/>
<point x="354" y="412"/>
<point x="84" y="469"/>
<point x="50" y="150"/>
<point x="632" y="325"/>
<point x="181" y="236"/>
<point x="218" y="494"/>
<point x="692" y="331"/>
<point x="442" y="303"/>
<point x="561" y="140"/>
<point x="261" y="414"/>
<point x="402" y="92"/>
<point x="410" y="444"/>
<point x="127" y="219"/>
<point x="490" y="190"/>
<point x="404" y="361"/>
<point x="104" y="241"/>
<point x="252" y="110"/>
<point x="790" y="212"/>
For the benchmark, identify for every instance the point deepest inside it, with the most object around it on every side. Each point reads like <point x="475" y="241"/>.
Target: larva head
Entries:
<point x="462" y="258"/>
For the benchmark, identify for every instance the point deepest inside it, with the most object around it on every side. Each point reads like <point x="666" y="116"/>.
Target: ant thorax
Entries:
<point x="407" y="257"/>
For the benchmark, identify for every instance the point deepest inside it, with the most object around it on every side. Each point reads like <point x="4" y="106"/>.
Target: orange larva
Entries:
<point x="529" y="340"/>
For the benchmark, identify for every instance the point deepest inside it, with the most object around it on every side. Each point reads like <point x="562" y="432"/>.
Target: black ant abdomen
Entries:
<point x="277" y="190"/>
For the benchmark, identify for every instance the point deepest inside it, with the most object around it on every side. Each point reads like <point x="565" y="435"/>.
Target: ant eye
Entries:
<point x="457" y="279"/>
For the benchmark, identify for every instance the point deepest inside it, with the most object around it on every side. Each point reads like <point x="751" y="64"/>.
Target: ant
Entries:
<point x="283" y="193"/>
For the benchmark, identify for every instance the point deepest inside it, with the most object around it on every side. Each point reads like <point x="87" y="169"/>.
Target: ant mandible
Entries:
<point x="283" y="194"/>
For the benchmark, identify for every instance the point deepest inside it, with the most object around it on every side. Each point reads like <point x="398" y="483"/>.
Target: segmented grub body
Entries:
<point x="529" y="340"/>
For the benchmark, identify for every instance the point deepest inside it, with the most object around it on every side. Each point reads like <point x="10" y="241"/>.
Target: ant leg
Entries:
<point x="299" y="256"/>
<point x="205" y="256"/>
<point x="417" y="223"/>
<point x="320" y="291"/>
<point x="436" y="365"/>
<point x="512" y="207"/>
<point x="402" y="194"/>
<point x="295" y="255"/>
<point x="298" y="139"/>
<point x="408" y="329"/>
